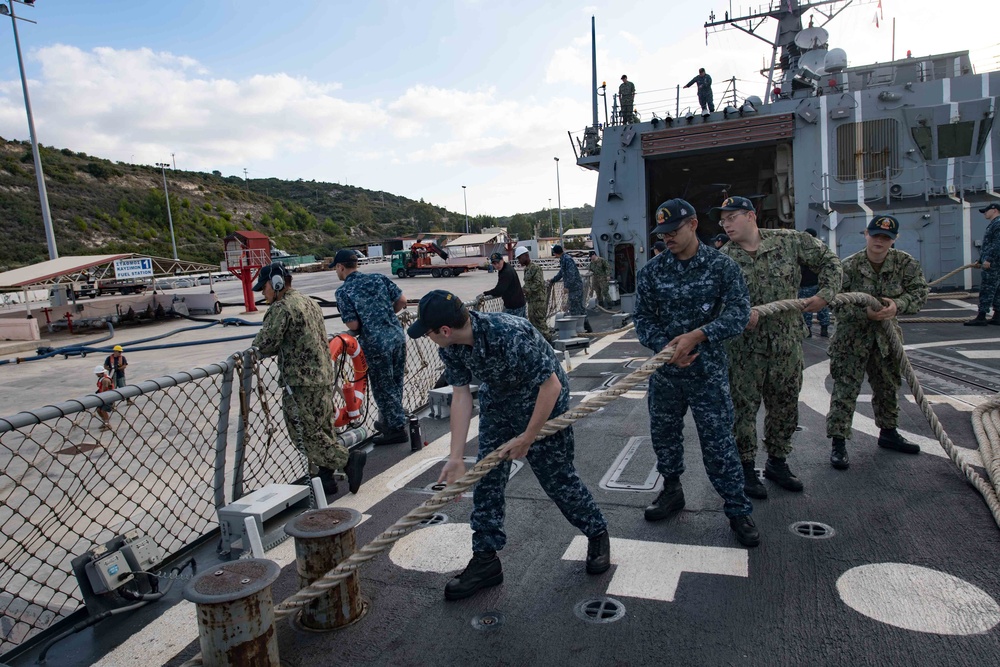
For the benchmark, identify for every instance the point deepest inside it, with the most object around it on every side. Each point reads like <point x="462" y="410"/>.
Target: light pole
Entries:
<point x="43" y="195"/>
<point x="166" y="195"/>
<point x="466" y="202"/>
<point x="559" y="198"/>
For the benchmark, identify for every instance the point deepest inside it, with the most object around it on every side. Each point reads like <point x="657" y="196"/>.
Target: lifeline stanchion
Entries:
<point x="236" y="614"/>
<point x="324" y="538"/>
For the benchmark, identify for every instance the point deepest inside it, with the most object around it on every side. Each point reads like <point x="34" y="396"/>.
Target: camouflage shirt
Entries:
<point x="673" y="298"/>
<point x="507" y="355"/>
<point x="294" y="330"/>
<point x="774" y="272"/>
<point x="534" y="283"/>
<point x="990" y="252"/>
<point x="568" y="273"/>
<point x="900" y="279"/>
<point x="600" y="268"/>
<point x="368" y="298"/>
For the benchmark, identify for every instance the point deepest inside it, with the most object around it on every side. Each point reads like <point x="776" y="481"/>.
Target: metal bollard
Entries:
<point x="236" y="613"/>
<point x="324" y="538"/>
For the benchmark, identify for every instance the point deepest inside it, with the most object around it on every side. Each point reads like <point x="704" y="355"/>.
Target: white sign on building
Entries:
<point x="127" y="269"/>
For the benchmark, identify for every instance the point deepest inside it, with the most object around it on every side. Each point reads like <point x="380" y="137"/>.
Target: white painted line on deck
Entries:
<point x="979" y="354"/>
<point x="652" y="570"/>
<point x="961" y="304"/>
<point x="815" y="396"/>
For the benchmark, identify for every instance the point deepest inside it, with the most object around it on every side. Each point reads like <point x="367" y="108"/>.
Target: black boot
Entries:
<point x="809" y="332"/>
<point x="483" y="571"/>
<point x="599" y="553"/>
<point x="978" y="321"/>
<point x="777" y="471"/>
<point x="746" y="530"/>
<point x="379" y="426"/>
<point x="838" y="455"/>
<point x="355" y="469"/>
<point x="889" y="438"/>
<point x="391" y="437"/>
<point x="993" y="320"/>
<point x="586" y="325"/>
<point x="329" y="481"/>
<point x="669" y="502"/>
<point x="752" y="485"/>
<point x="824" y="331"/>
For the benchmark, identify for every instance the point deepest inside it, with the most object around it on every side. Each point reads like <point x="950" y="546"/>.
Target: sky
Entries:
<point x="413" y="98"/>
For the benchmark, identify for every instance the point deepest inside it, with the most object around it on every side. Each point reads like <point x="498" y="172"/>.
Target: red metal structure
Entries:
<point x="246" y="254"/>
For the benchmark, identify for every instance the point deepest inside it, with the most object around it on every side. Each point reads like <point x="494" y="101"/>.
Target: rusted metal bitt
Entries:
<point x="236" y="614"/>
<point x="323" y="538"/>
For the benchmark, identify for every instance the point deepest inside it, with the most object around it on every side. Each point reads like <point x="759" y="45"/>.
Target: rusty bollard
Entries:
<point x="236" y="613"/>
<point x="324" y="538"/>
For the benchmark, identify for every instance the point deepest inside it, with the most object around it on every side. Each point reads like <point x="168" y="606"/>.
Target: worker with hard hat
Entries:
<point x="115" y="364"/>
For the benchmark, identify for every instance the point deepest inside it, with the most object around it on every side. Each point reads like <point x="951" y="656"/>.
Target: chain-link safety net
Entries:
<point x="76" y="474"/>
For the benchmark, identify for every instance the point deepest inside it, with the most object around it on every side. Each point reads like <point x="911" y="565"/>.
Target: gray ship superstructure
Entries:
<point x="827" y="147"/>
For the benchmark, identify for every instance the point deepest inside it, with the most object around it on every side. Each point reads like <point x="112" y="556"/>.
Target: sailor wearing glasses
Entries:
<point x="768" y="354"/>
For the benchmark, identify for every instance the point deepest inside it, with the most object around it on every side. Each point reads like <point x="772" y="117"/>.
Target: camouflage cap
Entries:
<point x="731" y="204"/>
<point x="886" y="225"/>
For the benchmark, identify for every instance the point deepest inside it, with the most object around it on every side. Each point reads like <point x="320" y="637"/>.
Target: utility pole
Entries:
<point x="466" y="201"/>
<point x="246" y="179"/>
<point x="559" y="198"/>
<point x="173" y="158"/>
<point x="43" y="195"/>
<point x="166" y="195"/>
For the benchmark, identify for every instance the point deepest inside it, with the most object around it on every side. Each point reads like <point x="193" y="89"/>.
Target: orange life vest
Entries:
<point x="354" y="392"/>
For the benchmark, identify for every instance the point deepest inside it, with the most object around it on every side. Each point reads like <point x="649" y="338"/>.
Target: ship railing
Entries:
<point x="179" y="447"/>
<point x="675" y="102"/>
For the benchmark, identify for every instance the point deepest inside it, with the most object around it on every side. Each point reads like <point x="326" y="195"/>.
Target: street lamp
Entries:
<point x="466" y="201"/>
<point x="559" y="200"/>
<point x="43" y="195"/>
<point x="170" y="219"/>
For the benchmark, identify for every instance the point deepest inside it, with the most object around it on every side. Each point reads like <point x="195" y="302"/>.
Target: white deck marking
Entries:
<point x="961" y="304"/>
<point x="815" y="396"/>
<point x="442" y="548"/>
<point x="919" y="599"/>
<point x="980" y="354"/>
<point x="652" y="570"/>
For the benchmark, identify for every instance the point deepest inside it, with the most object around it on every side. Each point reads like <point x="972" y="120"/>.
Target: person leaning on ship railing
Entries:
<point x="989" y="262"/>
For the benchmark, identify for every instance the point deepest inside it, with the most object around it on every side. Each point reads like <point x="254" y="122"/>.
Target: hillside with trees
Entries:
<point x="99" y="206"/>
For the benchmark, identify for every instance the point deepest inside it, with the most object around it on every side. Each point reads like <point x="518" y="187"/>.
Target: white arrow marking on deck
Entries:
<point x="652" y="570"/>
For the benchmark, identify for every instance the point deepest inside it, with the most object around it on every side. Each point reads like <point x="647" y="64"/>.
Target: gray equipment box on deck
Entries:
<point x="262" y="505"/>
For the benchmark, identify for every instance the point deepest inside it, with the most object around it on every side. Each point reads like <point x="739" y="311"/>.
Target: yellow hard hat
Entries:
<point x="118" y="348"/>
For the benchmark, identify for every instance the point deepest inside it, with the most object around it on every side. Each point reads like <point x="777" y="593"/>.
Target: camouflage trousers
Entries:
<point x="575" y="301"/>
<point x="385" y="382"/>
<point x="708" y="397"/>
<point x="823" y="316"/>
<point x="517" y="312"/>
<point x="538" y="316"/>
<point x="850" y="361"/>
<point x="502" y="417"/>
<point x="309" y="414"/>
<point x="601" y="291"/>
<point x="770" y="373"/>
<point x="989" y="291"/>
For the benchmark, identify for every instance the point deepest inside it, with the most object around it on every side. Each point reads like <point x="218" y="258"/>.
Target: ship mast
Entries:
<point x="788" y="14"/>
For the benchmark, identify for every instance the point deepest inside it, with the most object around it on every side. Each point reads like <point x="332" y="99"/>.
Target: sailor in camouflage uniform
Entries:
<point x="767" y="358"/>
<point x="536" y="293"/>
<point x="860" y="343"/>
<point x="694" y="298"/>
<point x="295" y="333"/>
<point x="989" y="262"/>
<point x="570" y="275"/>
<point x="368" y="304"/>
<point x="600" y="270"/>
<point x="522" y="386"/>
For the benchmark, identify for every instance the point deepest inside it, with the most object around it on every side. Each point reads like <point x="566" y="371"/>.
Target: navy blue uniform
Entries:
<point x="570" y="275"/>
<point x="368" y="298"/>
<point x="673" y="298"/>
<point x="512" y="360"/>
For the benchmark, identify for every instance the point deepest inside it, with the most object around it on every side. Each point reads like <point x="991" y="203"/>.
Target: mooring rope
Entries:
<point x="986" y="422"/>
